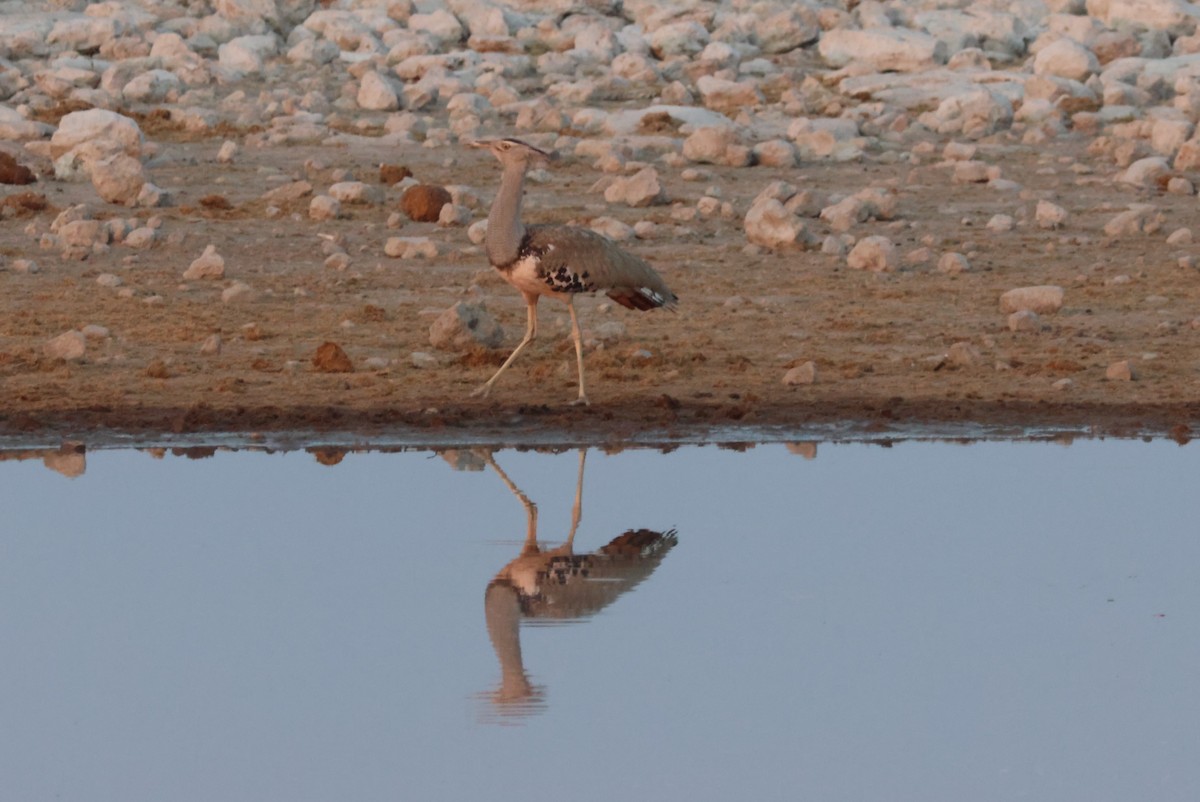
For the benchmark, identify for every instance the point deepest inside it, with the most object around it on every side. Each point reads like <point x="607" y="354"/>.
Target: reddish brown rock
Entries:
<point x="393" y="173"/>
<point x="330" y="358"/>
<point x="13" y="173"/>
<point x="423" y="203"/>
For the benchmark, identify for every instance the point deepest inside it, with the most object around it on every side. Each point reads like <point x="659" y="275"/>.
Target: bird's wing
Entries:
<point x="596" y="263"/>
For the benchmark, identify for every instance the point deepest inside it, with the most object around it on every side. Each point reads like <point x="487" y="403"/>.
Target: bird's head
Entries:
<point x="514" y="151"/>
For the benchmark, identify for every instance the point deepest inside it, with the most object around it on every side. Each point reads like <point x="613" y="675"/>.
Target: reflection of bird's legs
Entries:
<point x="577" y="510"/>
<point x="577" y="336"/>
<point x="530" y="334"/>
<point x="530" y="508"/>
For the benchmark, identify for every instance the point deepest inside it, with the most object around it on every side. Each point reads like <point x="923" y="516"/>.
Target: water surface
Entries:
<point x="926" y="621"/>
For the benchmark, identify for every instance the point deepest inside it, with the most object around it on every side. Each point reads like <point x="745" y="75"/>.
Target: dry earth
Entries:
<point x="878" y="340"/>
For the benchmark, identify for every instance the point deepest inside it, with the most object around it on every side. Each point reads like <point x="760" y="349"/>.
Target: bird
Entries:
<point x="558" y="261"/>
<point x="557" y="584"/>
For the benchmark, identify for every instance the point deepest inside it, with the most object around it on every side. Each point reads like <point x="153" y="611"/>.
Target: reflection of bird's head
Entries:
<point x="516" y="152"/>
<point x="516" y="696"/>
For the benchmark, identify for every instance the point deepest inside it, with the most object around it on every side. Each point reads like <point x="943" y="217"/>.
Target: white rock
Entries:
<point x="1123" y="371"/>
<point x="1024" y="320"/>
<point x="324" y="207"/>
<point x="1001" y="222"/>
<point x="881" y="49"/>
<point x="452" y="214"/>
<point x="228" y="152"/>
<point x="91" y="125"/>
<point x="726" y="96"/>
<point x="769" y="224"/>
<point x="211" y="345"/>
<point x="248" y="53"/>
<point x="953" y="263"/>
<point x="837" y="139"/>
<point x="875" y="253"/>
<point x="1174" y="17"/>
<point x="82" y="233"/>
<point x="801" y="374"/>
<point x="683" y="38"/>
<point x="716" y="145"/>
<point x="963" y="355"/>
<point x="795" y="25"/>
<point x="612" y="228"/>
<point x="152" y="196"/>
<point x="442" y="26"/>
<point x="209" y="265"/>
<point x="410" y="248"/>
<point x="1066" y="58"/>
<point x="1050" y="215"/>
<point x="975" y="113"/>
<point x="140" y="238"/>
<point x="775" y="153"/>
<point x="846" y="213"/>
<point x="1144" y="172"/>
<point x="70" y="345"/>
<point x="1140" y="218"/>
<point x="377" y="93"/>
<point x="1043" y="299"/>
<point x="93" y="331"/>
<point x="356" y="192"/>
<point x="151" y="87"/>
<point x="110" y="280"/>
<point x="477" y="231"/>
<point x="238" y="292"/>
<point x="464" y="326"/>
<point x="1180" y="236"/>
<point x="641" y="189"/>
<point x="118" y="179"/>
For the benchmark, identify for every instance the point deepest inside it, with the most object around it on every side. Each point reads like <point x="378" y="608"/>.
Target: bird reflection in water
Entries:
<point x="557" y="585"/>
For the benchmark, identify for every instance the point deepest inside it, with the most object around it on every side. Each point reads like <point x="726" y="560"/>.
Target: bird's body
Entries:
<point x="558" y="261"/>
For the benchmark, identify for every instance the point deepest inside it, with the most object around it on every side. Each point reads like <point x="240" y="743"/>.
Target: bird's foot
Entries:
<point x="581" y="401"/>
<point x="482" y="391"/>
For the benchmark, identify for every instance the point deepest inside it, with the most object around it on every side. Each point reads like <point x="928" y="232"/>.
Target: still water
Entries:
<point x="928" y="621"/>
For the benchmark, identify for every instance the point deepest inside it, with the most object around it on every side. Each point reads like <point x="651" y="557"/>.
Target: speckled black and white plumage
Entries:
<point x="565" y="260"/>
<point x="556" y="260"/>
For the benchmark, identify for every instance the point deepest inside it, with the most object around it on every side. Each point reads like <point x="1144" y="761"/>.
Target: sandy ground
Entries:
<point x="878" y="340"/>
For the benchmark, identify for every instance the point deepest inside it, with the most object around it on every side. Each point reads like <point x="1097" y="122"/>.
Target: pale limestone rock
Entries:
<point x="719" y="94"/>
<point x="793" y="26"/>
<point x="118" y="179"/>
<point x="801" y="374"/>
<point x="1140" y="218"/>
<point x="877" y="254"/>
<point x="640" y="189"/>
<point x="1043" y="299"/>
<point x="1174" y="17"/>
<point x="453" y="214"/>
<point x="376" y="93"/>
<point x="1066" y="58"/>
<point x="775" y="153"/>
<point x="211" y="345"/>
<point x="140" y="238"/>
<point x="1123" y="371"/>
<point x="953" y="263"/>
<point x="465" y="326"/>
<point x="1024" y="320"/>
<point x="356" y="192"/>
<point x="477" y="231"/>
<point x="410" y="248"/>
<point x="209" y="265"/>
<point x="1050" y="215"/>
<point x="1144" y="172"/>
<point x="324" y="207"/>
<point x="238" y="292"/>
<point x="826" y="138"/>
<point x="612" y="228"/>
<point x="83" y="233"/>
<point x="69" y="346"/>
<point x="91" y="125"/>
<point x="154" y="86"/>
<point x="1001" y="222"/>
<point x="769" y="224"/>
<point x="881" y="49"/>
<point x="975" y="113"/>
<point x="963" y="355"/>
<point x="228" y="152"/>
<point x="151" y="196"/>
<point x="248" y="54"/>
<point x="683" y="38"/>
<point x="716" y="145"/>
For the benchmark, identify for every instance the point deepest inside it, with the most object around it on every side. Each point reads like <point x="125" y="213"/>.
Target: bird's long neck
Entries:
<point x="505" y="229"/>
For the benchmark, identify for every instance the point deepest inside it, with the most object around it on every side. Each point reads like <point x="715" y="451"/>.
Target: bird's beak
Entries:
<point x="481" y="143"/>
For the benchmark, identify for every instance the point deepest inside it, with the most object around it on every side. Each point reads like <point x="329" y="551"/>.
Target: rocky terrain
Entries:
<point x="249" y="215"/>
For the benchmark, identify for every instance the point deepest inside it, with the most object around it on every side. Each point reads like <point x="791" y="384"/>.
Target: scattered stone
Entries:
<point x="1180" y="236"/>
<point x="769" y="224"/>
<point x="330" y="358"/>
<point x="423" y="359"/>
<point x="140" y="238"/>
<point x="1024" y="320"/>
<point x="93" y="125"/>
<point x="288" y="193"/>
<point x="453" y="215"/>
<point x="390" y="174"/>
<point x="211" y="346"/>
<point x="464" y="326"/>
<point x="1145" y="172"/>
<point x="1063" y="384"/>
<point x="118" y="179"/>
<point x="1050" y="215"/>
<point x="641" y="189"/>
<point x="157" y="369"/>
<point x="92" y="331"/>
<point x="228" y="152"/>
<point x="109" y="280"/>
<point x="1140" y="218"/>
<point x="323" y="207"/>
<point x="953" y="263"/>
<point x="801" y="374"/>
<point x="356" y="192"/>
<point x="963" y="355"/>
<point x="1044" y="299"/>
<point x="69" y="346"/>
<point x="1000" y="223"/>
<point x="410" y="248"/>
<point x="238" y="292"/>
<point x="209" y="265"/>
<point x="881" y="49"/>
<point x="875" y="253"/>
<point x="376" y="93"/>
<point x="1123" y="371"/>
<point x="423" y="203"/>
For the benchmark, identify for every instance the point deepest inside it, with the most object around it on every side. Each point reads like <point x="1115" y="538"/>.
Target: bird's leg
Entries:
<point x="531" y="512"/>
<point x="577" y="336"/>
<point x="577" y="510"/>
<point x="530" y="334"/>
